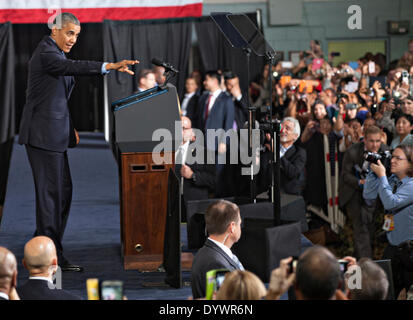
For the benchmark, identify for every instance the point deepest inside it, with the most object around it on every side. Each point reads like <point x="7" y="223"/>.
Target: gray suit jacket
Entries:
<point x="209" y="257"/>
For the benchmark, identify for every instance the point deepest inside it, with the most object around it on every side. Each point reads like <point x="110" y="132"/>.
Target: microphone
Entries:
<point x="167" y="66"/>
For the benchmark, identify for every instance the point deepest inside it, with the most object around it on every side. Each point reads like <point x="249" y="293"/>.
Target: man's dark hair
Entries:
<point x="228" y="74"/>
<point x="374" y="282"/>
<point x="219" y="215"/>
<point x="408" y="117"/>
<point x="65" y="18"/>
<point x="144" y="73"/>
<point x="214" y="74"/>
<point x="318" y="274"/>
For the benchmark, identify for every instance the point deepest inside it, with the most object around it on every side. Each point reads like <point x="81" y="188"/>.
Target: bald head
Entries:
<point x="8" y="269"/>
<point x="318" y="274"/>
<point x="186" y="122"/>
<point x="39" y="254"/>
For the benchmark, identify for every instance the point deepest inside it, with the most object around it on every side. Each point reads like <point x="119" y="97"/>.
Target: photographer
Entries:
<point x="395" y="193"/>
<point x="352" y="179"/>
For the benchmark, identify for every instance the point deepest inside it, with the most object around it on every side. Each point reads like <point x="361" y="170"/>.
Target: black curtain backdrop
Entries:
<point x="168" y="40"/>
<point x="216" y="52"/>
<point x="7" y="114"/>
<point x="7" y="105"/>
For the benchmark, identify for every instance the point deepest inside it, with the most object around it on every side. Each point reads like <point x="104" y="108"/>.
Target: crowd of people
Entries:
<point x="345" y="143"/>
<point x="345" y="146"/>
<point x="316" y="275"/>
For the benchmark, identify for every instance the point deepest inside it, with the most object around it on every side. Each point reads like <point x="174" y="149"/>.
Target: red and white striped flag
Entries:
<point x="42" y="11"/>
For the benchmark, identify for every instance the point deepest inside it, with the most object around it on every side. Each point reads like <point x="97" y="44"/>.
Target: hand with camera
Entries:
<point x="378" y="169"/>
<point x="281" y="279"/>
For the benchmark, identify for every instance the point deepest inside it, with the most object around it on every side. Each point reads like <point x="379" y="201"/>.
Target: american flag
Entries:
<point x="44" y="11"/>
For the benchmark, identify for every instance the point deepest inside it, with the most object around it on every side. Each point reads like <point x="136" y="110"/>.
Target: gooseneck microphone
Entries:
<point x="167" y="66"/>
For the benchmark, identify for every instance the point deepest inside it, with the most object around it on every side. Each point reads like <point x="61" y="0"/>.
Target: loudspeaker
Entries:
<point x="292" y="210"/>
<point x="262" y="246"/>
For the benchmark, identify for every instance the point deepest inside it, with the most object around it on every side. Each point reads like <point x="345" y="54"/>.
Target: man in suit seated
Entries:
<point x="40" y="260"/>
<point x="292" y="160"/>
<point x="198" y="178"/>
<point x="8" y="275"/>
<point x="223" y="224"/>
<point x="146" y="80"/>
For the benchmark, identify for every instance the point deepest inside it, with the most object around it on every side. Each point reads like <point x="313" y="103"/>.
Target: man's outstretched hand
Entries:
<point x="122" y="66"/>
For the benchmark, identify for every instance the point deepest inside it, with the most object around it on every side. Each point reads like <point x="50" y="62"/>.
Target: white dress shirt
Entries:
<point x="229" y="253"/>
<point x="223" y="247"/>
<point x="4" y="295"/>
<point x="214" y="97"/>
<point x="184" y="104"/>
<point x="184" y="149"/>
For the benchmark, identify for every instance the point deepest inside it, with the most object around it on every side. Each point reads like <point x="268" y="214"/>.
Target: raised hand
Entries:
<point x="122" y="66"/>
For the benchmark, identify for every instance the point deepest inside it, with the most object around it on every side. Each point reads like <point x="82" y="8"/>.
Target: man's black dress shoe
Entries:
<point x="70" y="267"/>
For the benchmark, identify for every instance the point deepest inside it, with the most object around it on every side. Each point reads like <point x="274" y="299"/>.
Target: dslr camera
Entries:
<point x="384" y="157"/>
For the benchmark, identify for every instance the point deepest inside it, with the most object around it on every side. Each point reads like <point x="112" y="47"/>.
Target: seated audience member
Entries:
<point x="159" y="72"/>
<point x="318" y="275"/>
<point x="241" y="285"/>
<point x="189" y="102"/>
<point x="40" y="260"/>
<point x="198" y="178"/>
<point x="8" y="275"/>
<point x="223" y="224"/>
<point x="404" y="124"/>
<point x="375" y="284"/>
<point x="146" y="80"/>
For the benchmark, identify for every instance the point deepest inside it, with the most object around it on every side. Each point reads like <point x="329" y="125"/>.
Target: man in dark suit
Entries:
<point x="198" y="177"/>
<point x="46" y="128"/>
<point x="239" y="97"/>
<point x="352" y="179"/>
<point x="216" y="111"/>
<point x="41" y="261"/>
<point x="189" y="102"/>
<point x="223" y="224"/>
<point x="292" y="160"/>
<point x="8" y="275"/>
<point x="217" y="107"/>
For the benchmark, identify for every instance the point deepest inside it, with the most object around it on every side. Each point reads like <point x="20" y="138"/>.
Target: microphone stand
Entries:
<point x="275" y="143"/>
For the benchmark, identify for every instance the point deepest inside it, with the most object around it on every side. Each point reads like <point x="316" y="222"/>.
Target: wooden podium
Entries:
<point x="143" y="184"/>
<point x="143" y="191"/>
